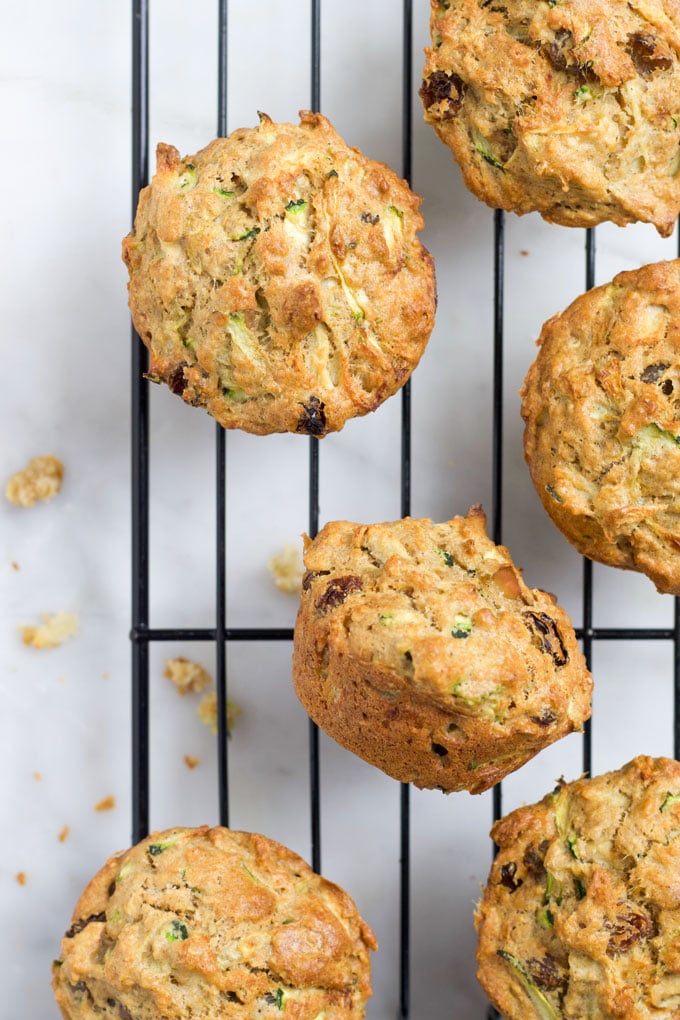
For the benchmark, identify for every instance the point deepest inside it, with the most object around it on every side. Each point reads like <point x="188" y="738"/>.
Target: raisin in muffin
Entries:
<point x="419" y="647"/>
<point x="277" y="279"/>
<point x="581" y="914"/>
<point x="211" y="924"/>
<point x="603" y="422"/>
<point x="569" y="108"/>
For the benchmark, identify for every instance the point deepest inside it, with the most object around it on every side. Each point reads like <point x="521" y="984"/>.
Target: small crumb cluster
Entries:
<point x="52" y="632"/>
<point x="107" y="804"/>
<point x="186" y="675"/>
<point x="192" y="678"/>
<point x="39" y="481"/>
<point x="207" y="712"/>
<point x="287" y="569"/>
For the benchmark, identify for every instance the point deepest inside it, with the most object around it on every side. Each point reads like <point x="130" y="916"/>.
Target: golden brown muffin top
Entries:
<point x="277" y="279"/>
<point x="212" y="923"/>
<point x="443" y="620"/>
<point x="568" y="107"/>
<point x="602" y="410"/>
<point x="581" y="914"/>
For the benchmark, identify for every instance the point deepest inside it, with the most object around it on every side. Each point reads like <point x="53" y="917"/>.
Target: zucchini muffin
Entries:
<point x="277" y="279"/>
<point x="569" y="108"/>
<point x="419" y="647"/>
<point x="211" y="924"/>
<point x="602" y="410"/>
<point x="581" y="914"/>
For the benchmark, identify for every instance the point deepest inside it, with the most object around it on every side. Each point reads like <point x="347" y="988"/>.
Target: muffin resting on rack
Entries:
<point x="602" y="412"/>
<point x="419" y="648"/>
<point x="212" y="924"/>
<point x="568" y="108"/>
<point x="581" y="913"/>
<point x="277" y="279"/>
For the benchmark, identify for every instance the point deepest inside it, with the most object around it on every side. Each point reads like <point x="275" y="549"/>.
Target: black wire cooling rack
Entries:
<point x="142" y="634"/>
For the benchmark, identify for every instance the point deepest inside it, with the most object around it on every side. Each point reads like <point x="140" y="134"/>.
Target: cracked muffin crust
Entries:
<point x="569" y="108"/>
<point x="601" y="405"/>
<point x="419" y="648"/>
<point x="581" y="913"/>
<point x="211" y="923"/>
<point x="277" y="279"/>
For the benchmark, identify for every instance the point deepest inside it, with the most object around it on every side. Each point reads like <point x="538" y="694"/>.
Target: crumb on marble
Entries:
<point x="37" y="776"/>
<point x="63" y="835"/>
<point x="40" y="480"/>
<point x="186" y="675"/>
<point x="207" y="712"/>
<point x="523" y="251"/>
<point x="191" y="762"/>
<point x="15" y="565"/>
<point x="52" y="632"/>
<point x="107" y="804"/>
<point x="21" y="877"/>
<point x="287" y="569"/>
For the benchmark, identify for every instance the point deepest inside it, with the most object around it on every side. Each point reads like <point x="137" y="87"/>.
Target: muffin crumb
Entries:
<point x="39" y="481"/>
<point x="107" y="804"/>
<point x="53" y="631"/>
<point x="287" y="569"/>
<point x="186" y="675"/>
<point x="207" y="712"/>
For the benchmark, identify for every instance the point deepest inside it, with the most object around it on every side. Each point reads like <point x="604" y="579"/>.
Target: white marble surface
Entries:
<point x="65" y="206"/>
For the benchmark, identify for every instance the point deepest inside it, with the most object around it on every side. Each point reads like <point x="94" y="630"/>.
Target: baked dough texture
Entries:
<point x="277" y="279"/>
<point x="40" y="480"/>
<point x="419" y="647"/>
<point x="602" y="410"/>
<point x="581" y="914"/>
<point x="568" y="107"/>
<point x="210" y="924"/>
